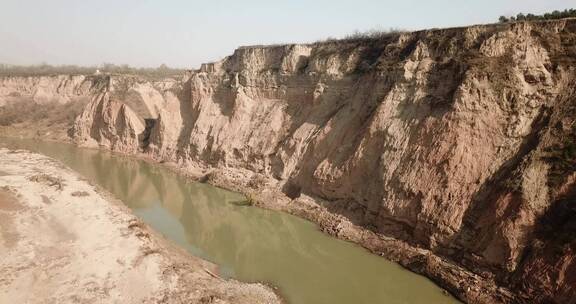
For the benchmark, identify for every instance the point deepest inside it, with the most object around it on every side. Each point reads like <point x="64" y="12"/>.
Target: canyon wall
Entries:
<point x="460" y="142"/>
<point x="60" y="89"/>
<point x="121" y="117"/>
<point x="45" y="106"/>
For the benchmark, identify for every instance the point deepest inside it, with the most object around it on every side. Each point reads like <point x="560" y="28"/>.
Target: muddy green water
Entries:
<point x="248" y="243"/>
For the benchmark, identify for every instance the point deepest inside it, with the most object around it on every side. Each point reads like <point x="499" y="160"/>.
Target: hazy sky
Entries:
<point x="186" y="33"/>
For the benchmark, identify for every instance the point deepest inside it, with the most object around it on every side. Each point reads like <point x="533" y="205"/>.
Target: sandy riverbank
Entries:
<point x="63" y="240"/>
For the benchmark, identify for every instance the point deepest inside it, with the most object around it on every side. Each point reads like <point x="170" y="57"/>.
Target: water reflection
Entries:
<point x="248" y="243"/>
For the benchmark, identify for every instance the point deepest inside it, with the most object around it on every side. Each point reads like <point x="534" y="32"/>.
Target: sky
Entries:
<point x="180" y="33"/>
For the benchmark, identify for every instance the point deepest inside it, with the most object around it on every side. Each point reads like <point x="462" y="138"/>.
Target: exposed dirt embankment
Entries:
<point x="451" y="151"/>
<point x="45" y="107"/>
<point x="63" y="241"/>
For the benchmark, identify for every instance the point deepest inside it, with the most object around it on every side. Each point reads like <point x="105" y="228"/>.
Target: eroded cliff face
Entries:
<point x="460" y="142"/>
<point x="121" y="117"/>
<point x="109" y="123"/>
<point x="45" y="106"/>
<point x="46" y="89"/>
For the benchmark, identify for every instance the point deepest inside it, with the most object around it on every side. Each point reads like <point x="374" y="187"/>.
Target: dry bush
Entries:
<point x="48" y="180"/>
<point x="363" y="37"/>
<point x="79" y="193"/>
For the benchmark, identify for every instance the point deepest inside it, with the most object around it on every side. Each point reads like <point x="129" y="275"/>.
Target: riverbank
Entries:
<point x="336" y="220"/>
<point x="65" y="240"/>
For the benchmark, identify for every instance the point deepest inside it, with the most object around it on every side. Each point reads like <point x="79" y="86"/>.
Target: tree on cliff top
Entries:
<point x="567" y="13"/>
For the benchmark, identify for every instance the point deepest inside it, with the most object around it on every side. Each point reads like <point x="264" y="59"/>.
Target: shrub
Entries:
<point x="358" y="36"/>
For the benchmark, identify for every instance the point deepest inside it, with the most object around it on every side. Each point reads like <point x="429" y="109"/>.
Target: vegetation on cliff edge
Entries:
<point x="162" y="71"/>
<point x="567" y="13"/>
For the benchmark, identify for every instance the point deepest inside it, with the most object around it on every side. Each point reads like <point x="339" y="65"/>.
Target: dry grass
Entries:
<point x="363" y="37"/>
<point x="163" y="71"/>
<point x="26" y="110"/>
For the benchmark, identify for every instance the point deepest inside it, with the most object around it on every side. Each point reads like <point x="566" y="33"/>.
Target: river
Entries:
<point x="248" y="243"/>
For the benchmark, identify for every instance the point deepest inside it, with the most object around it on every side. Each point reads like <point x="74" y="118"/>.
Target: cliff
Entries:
<point x="121" y="117"/>
<point x="45" y="106"/>
<point x="455" y="148"/>
<point x="45" y="89"/>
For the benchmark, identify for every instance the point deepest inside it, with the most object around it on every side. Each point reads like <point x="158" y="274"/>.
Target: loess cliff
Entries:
<point x="450" y="151"/>
<point x="45" y="106"/>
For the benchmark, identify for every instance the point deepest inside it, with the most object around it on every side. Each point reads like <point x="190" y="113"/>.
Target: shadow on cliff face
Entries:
<point x="225" y="97"/>
<point x="353" y="105"/>
<point x="354" y="98"/>
<point x="542" y="265"/>
<point x="144" y="137"/>
<point x="442" y="85"/>
<point x="548" y="271"/>
<point x="481" y="223"/>
<point x="187" y="114"/>
<point x="355" y="114"/>
<point x="363" y="208"/>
